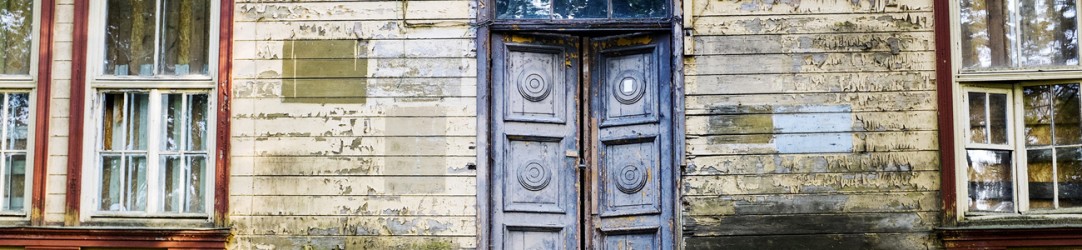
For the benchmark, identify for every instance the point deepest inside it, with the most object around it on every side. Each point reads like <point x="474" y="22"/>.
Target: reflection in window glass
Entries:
<point x="1043" y="35"/>
<point x="1052" y="120"/>
<point x="16" y="25"/>
<point x="987" y="118"/>
<point x="577" y="9"/>
<point x="523" y="9"/>
<point x="16" y="113"/>
<point x="180" y="29"/>
<point x="990" y="185"/>
<point x="640" y="8"/>
<point x="572" y="9"/>
<point x="1048" y="33"/>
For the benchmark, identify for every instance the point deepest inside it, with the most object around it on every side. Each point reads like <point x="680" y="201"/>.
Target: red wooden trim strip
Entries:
<point x="225" y="86"/>
<point x="41" y="114"/>
<point x="945" y="100"/>
<point x="127" y="238"/>
<point x="75" y="123"/>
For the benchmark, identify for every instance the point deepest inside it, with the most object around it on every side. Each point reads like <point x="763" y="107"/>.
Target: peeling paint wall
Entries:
<point x="353" y="124"/>
<point x="811" y="124"/>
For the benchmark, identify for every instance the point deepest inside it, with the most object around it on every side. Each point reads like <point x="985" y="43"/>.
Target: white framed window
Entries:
<point x="19" y="30"/>
<point x="152" y="103"/>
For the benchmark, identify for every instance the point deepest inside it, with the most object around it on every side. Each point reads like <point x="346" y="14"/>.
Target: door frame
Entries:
<point x="487" y="25"/>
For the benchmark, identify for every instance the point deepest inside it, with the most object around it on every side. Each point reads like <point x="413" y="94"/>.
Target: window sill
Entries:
<point x="127" y="237"/>
<point x="1004" y="237"/>
<point x="1048" y="74"/>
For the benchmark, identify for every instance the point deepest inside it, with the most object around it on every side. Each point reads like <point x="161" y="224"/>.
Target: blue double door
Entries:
<point x="582" y="142"/>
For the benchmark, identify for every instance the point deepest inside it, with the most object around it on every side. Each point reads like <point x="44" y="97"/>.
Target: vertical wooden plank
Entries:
<point x="223" y="128"/>
<point x="41" y="116"/>
<point x="945" y="101"/>
<point x="76" y="107"/>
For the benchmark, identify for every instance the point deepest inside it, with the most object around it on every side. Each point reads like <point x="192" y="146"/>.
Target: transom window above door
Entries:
<point x="582" y="9"/>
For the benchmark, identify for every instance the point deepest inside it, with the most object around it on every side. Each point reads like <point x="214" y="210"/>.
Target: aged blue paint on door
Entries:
<point x="631" y="112"/>
<point x="535" y="181"/>
<point x="552" y="189"/>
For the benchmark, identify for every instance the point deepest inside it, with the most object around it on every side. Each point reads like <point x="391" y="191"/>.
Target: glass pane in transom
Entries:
<point x="582" y="9"/>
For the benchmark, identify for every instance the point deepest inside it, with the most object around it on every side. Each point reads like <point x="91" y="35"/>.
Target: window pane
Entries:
<point x="997" y="110"/>
<point x="137" y="125"/>
<point x="196" y="184"/>
<point x="172" y="180"/>
<point x="1066" y="114"/>
<point x="639" y="8"/>
<point x="129" y="38"/>
<point x="18" y="122"/>
<point x="172" y="121"/>
<point x="523" y="9"/>
<point x="112" y="177"/>
<point x="984" y="34"/>
<point x="990" y="185"/>
<point x="1069" y="176"/>
<point x="197" y="109"/>
<point x="136" y="183"/>
<point x="978" y="132"/>
<point x="571" y="9"/>
<point x="15" y="182"/>
<point x="1039" y="164"/>
<point x="1037" y="114"/>
<point x="16" y="25"/>
<point x="1049" y="33"/>
<point x="185" y="44"/>
<point x="124" y="185"/>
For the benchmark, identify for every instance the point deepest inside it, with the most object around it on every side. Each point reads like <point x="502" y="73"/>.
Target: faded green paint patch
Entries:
<point x="324" y="71"/>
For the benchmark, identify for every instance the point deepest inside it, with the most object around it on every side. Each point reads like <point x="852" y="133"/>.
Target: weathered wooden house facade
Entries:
<point x="541" y="124"/>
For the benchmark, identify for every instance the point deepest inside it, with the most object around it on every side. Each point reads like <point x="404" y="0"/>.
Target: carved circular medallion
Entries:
<point x="630" y="179"/>
<point x="534" y="88"/>
<point x="629" y="89"/>
<point x="534" y="177"/>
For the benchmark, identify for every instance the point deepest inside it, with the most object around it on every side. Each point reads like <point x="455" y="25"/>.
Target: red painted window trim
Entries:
<point x="41" y="114"/>
<point x="945" y="101"/>
<point x="78" y="116"/>
<point x="1007" y="238"/>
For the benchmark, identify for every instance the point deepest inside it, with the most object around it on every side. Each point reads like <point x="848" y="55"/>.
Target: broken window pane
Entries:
<point x="16" y="25"/>
<point x="990" y="185"/>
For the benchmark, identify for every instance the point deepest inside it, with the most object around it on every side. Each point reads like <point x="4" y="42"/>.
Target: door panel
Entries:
<point x="535" y="191"/>
<point x="630" y="81"/>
